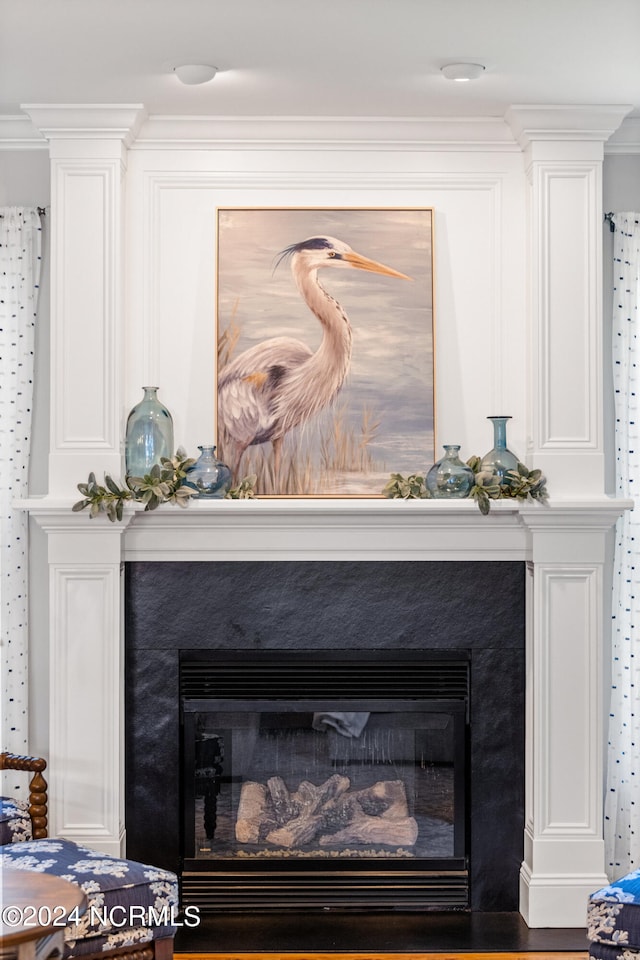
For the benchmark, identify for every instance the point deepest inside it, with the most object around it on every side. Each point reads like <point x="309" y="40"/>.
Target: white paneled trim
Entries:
<point x="567" y="304"/>
<point x="274" y="530"/>
<point x="321" y="188"/>
<point x="567" y="743"/>
<point x="86" y="309"/>
<point x="564" y="847"/>
<point x="86" y="738"/>
<point x="85" y="705"/>
<point x="362" y="181"/>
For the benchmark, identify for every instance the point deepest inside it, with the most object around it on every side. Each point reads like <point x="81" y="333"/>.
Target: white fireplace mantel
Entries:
<point x="565" y="545"/>
<point x="347" y="529"/>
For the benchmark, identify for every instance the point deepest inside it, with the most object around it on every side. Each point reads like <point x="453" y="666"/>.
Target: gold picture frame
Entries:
<point x="324" y="376"/>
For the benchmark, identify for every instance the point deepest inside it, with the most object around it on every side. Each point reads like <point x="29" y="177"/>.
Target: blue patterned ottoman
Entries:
<point x="613" y="920"/>
<point x="129" y="904"/>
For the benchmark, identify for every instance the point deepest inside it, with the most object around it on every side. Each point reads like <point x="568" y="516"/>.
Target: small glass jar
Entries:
<point x="450" y="477"/>
<point x="209" y="476"/>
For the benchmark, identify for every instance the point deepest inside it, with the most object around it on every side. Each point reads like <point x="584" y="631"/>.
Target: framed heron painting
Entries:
<point x="324" y="379"/>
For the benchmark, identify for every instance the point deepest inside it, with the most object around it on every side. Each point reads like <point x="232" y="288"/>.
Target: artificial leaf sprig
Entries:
<point x="165" y="483"/>
<point x="406" y="488"/>
<point x="108" y="499"/>
<point x="525" y="484"/>
<point x="519" y="484"/>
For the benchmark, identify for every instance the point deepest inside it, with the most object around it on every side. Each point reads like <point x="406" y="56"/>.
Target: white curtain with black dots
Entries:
<point x="622" y="802"/>
<point x="20" y="260"/>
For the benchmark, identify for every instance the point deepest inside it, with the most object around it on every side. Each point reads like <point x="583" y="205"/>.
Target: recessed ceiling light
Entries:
<point x="463" y="71"/>
<point x="192" y="73"/>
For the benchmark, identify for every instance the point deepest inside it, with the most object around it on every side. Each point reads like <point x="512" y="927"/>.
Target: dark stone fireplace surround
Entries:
<point x="478" y="607"/>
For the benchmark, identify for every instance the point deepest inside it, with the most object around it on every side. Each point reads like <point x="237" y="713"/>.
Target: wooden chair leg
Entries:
<point x="164" y="948"/>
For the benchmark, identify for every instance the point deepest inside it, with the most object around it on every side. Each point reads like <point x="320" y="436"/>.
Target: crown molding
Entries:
<point x="101" y="121"/>
<point x="626" y="138"/>
<point x="318" y="133"/>
<point x="19" y="133"/>
<point x="130" y="124"/>
<point x="530" y="122"/>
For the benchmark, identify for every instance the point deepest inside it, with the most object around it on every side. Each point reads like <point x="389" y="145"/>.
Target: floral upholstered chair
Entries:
<point x="613" y="920"/>
<point x="131" y="907"/>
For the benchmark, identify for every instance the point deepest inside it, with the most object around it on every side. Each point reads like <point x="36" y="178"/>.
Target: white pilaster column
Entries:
<point x="564" y="857"/>
<point x="86" y="710"/>
<point x="88" y="149"/>
<point x="563" y="148"/>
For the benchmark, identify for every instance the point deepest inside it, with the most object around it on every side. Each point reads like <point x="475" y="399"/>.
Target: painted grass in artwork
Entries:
<point x="314" y="458"/>
<point x="313" y="462"/>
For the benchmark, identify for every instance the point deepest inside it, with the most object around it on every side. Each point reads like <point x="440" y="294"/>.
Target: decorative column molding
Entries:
<point x="564" y="148"/>
<point x="88" y="149"/>
<point x="564" y="847"/>
<point x="86" y="708"/>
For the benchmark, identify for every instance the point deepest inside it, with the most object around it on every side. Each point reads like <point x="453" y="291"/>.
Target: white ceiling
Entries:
<point x="377" y="58"/>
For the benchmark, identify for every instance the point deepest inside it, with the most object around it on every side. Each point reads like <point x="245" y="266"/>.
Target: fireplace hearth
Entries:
<point x="362" y="617"/>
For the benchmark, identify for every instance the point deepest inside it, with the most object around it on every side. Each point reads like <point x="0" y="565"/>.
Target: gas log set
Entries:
<point x="329" y="814"/>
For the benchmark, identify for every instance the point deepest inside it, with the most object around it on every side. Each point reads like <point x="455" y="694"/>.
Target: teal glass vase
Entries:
<point x="149" y="434"/>
<point x="209" y="476"/>
<point x="450" y="477"/>
<point x="500" y="458"/>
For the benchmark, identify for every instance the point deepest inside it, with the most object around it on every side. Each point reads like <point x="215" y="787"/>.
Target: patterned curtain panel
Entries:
<point x="622" y="805"/>
<point x="20" y="258"/>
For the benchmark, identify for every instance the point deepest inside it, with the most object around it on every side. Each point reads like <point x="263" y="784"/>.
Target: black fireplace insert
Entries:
<point x="371" y="633"/>
<point x="312" y="781"/>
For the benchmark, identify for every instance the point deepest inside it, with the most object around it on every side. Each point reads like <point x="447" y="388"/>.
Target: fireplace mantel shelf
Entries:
<point x="331" y="528"/>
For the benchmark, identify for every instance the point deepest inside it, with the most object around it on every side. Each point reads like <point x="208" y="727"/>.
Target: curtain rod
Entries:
<point x="608" y="218"/>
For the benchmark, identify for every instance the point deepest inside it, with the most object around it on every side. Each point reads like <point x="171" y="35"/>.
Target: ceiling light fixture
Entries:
<point x="462" y="71"/>
<point x="192" y="73"/>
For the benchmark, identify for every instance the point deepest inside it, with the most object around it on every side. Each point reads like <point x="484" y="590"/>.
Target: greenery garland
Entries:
<point x="518" y="484"/>
<point x="165" y="483"/>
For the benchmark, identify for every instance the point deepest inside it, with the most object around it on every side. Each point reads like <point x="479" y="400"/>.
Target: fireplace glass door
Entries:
<point x="319" y="784"/>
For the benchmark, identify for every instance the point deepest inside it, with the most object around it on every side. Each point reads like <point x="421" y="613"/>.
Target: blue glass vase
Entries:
<point x="209" y="476"/>
<point x="450" y="477"/>
<point x="149" y="434"/>
<point x="500" y="458"/>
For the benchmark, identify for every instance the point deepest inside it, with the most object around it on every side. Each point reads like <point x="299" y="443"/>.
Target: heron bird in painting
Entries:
<point x="281" y="383"/>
